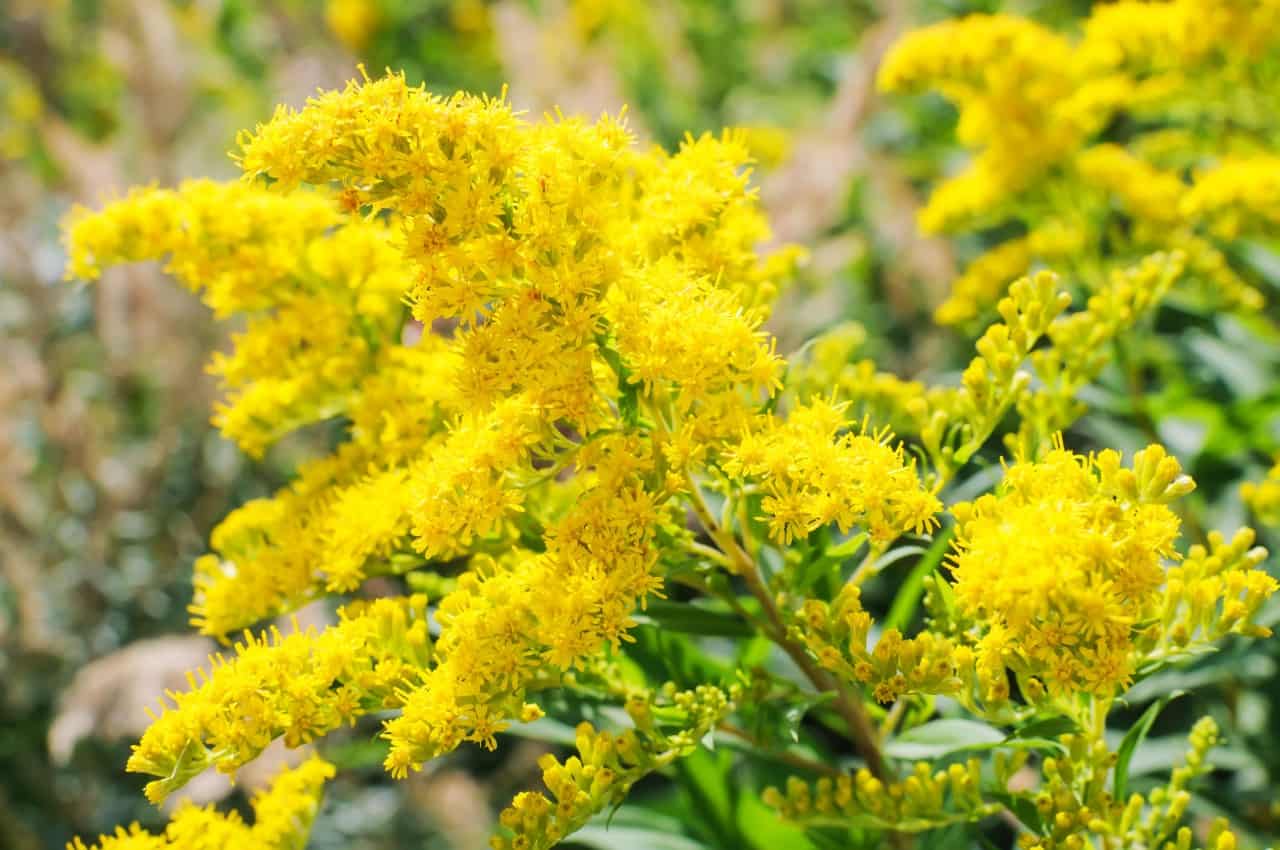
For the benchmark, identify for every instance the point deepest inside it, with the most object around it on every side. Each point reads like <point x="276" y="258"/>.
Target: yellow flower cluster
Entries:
<point x="528" y="614"/>
<point x="1082" y="344"/>
<point x="816" y="473"/>
<point x="986" y="279"/>
<point x="1263" y="497"/>
<point x="346" y="516"/>
<point x="926" y="799"/>
<point x="542" y="343"/>
<point x="828" y="368"/>
<point x="249" y="261"/>
<point x="591" y="339"/>
<point x="1078" y="812"/>
<point x="1240" y="195"/>
<point x="837" y="635"/>
<point x="1032" y="104"/>
<point x="283" y="813"/>
<point x="298" y="687"/>
<point x="1063" y="571"/>
<point x="323" y="299"/>
<point x="1217" y="590"/>
<point x="607" y="765"/>
<point x="536" y="238"/>
<point x="955" y="423"/>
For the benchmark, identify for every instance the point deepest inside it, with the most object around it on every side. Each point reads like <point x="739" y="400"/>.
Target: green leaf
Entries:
<point x="357" y="753"/>
<point x="694" y="619"/>
<point x="1131" y="741"/>
<point x="941" y="737"/>
<point x="827" y="838"/>
<point x="753" y="653"/>
<point x="1020" y="807"/>
<point x="845" y="548"/>
<point x="545" y="729"/>
<point x="947" y="838"/>
<point x="635" y="827"/>
<point x="793" y="715"/>
<point x="629" y="400"/>
<point x="1228" y="667"/>
<point x="763" y="828"/>
<point x="1159" y="755"/>
<point x="1047" y="727"/>
<point x="664" y="654"/>
<point x="632" y="838"/>
<point x="908" y="598"/>
<point x="704" y="777"/>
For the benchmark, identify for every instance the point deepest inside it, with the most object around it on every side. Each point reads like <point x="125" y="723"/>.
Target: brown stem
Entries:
<point x="847" y="705"/>
<point x="793" y="759"/>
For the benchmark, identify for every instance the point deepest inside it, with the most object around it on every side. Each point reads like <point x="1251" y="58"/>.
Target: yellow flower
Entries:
<point x="1060" y="566"/>
<point x="815" y="473"/>
<point x="298" y="687"/>
<point x="283" y="813"/>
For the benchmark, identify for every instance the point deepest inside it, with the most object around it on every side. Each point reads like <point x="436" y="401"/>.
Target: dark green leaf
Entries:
<point x="1048" y="727"/>
<point x="694" y="619"/>
<point x="908" y="598"/>
<point x="704" y="776"/>
<point x="763" y="828"/>
<point x="941" y="737"/>
<point x="1132" y="739"/>
<point x="1020" y="807"/>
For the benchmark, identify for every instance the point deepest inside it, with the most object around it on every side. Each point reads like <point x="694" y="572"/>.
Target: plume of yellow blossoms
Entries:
<point x="582" y="348"/>
<point x="297" y="687"/>
<point x="1188" y="169"/>
<point x="1078" y="811"/>
<point x="1012" y="370"/>
<point x="322" y="294"/>
<point x="926" y="799"/>
<point x="545" y="348"/>
<point x="607" y="765"/>
<point x="283" y="813"/>
<point x="1070" y="575"/>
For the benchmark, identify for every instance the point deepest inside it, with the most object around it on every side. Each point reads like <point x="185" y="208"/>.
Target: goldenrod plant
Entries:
<point x="1147" y="132"/>
<point x="570" y="442"/>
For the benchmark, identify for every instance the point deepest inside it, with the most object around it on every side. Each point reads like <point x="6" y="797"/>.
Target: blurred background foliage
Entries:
<point x="111" y="477"/>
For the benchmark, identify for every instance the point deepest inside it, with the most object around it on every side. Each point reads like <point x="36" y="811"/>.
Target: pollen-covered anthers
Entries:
<point x="667" y="727"/>
<point x="296" y="687"/>
<point x="926" y="799"/>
